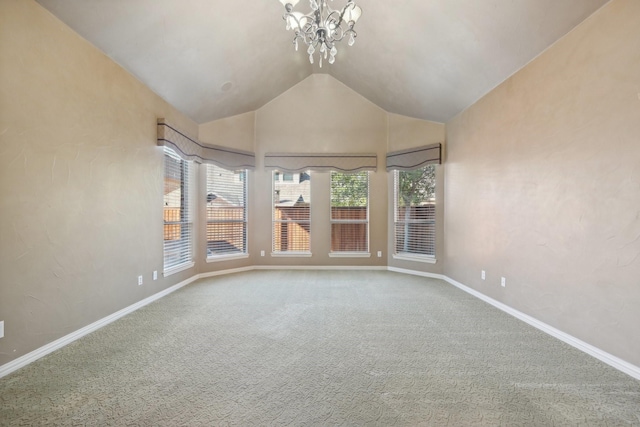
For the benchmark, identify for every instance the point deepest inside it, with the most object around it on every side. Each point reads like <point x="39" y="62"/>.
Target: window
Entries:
<point x="350" y="212"/>
<point x="292" y="214"/>
<point x="287" y="177"/>
<point x="226" y="212"/>
<point x="415" y="212"/>
<point x="178" y="221"/>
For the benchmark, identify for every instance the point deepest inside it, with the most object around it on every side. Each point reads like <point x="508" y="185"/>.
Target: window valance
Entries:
<point x="191" y="149"/>
<point x="321" y="162"/>
<point x="414" y="158"/>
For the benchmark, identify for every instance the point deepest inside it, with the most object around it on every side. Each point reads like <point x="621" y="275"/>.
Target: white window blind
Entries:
<point x="415" y="211"/>
<point x="291" y="212"/>
<point x="350" y="212"/>
<point x="178" y="218"/>
<point x="226" y="211"/>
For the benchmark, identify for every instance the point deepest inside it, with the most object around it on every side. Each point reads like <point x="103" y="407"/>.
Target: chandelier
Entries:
<point x="322" y="27"/>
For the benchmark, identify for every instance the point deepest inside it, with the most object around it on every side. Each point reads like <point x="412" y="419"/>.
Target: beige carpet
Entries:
<point x="319" y="348"/>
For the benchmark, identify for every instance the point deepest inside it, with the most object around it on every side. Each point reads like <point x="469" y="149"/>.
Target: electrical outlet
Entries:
<point x="261" y="253"/>
<point x="2" y="329"/>
<point x="379" y="254"/>
<point x="139" y="280"/>
<point x="503" y="282"/>
<point x="155" y="275"/>
<point x="483" y="275"/>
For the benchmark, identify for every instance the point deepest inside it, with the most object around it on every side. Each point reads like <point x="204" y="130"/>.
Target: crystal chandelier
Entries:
<point x="321" y="28"/>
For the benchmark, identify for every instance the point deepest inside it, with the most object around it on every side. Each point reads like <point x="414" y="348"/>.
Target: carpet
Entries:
<point x="319" y="348"/>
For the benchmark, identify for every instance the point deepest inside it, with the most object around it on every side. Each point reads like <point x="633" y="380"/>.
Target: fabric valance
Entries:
<point x="414" y="158"/>
<point x="289" y="162"/>
<point x="191" y="149"/>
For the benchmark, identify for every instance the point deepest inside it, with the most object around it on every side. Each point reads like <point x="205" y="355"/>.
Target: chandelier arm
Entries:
<point x="337" y="34"/>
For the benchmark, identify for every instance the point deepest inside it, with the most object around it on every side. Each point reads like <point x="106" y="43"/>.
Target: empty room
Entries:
<point x="342" y="212"/>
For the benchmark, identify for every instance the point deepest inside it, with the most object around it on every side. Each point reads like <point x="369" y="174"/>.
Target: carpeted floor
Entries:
<point x="319" y="348"/>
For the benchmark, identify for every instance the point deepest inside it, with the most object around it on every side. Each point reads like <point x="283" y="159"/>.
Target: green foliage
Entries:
<point x="349" y="189"/>
<point x="417" y="186"/>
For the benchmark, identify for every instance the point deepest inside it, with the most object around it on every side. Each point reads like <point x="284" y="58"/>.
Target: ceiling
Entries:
<point x="428" y="59"/>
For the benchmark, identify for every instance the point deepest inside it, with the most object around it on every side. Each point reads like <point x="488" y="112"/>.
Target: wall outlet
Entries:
<point x="483" y="275"/>
<point x="503" y="282"/>
<point x="261" y="253"/>
<point x="155" y="275"/>
<point x="379" y="254"/>
<point x="2" y="329"/>
<point x="139" y="280"/>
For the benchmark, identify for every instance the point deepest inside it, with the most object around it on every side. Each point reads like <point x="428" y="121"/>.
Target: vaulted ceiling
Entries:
<point x="427" y="59"/>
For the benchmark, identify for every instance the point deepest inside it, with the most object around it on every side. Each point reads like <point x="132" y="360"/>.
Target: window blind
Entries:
<point x="415" y="211"/>
<point x="291" y="213"/>
<point x="350" y="212"/>
<point x="178" y="221"/>
<point x="226" y="211"/>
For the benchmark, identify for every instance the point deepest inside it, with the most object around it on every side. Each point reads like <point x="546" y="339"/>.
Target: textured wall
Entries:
<point x="237" y="132"/>
<point x="80" y="182"/>
<point x="543" y="185"/>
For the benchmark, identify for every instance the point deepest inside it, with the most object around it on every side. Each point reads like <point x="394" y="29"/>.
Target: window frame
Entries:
<point x="350" y="254"/>
<point x="415" y="256"/>
<point x="243" y="178"/>
<point x="280" y="253"/>
<point x="186" y="214"/>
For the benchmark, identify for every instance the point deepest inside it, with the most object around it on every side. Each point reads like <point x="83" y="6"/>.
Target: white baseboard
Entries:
<point x="609" y="359"/>
<point x="603" y="356"/>
<point x="320" y="267"/>
<point x="38" y="353"/>
<point x="417" y="273"/>
<point x="223" y="272"/>
<point x="22" y="361"/>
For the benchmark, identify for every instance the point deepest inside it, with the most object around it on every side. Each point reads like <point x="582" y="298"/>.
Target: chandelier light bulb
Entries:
<point x="352" y="14"/>
<point x="322" y="27"/>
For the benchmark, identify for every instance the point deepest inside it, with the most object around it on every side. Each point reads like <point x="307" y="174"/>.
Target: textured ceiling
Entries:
<point x="427" y="59"/>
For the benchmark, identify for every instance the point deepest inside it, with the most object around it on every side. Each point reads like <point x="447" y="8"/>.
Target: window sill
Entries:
<point x="349" y="255"/>
<point x="178" y="268"/>
<point x="415" y="258"/>
<point x="229" y="257"/>
<point x="291" y="254"/>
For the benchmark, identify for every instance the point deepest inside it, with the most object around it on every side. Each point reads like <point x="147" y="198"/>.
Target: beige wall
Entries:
<point x="237" y="132"/>
<point x="543" y="186"/>
<point x="80" y="182"/>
